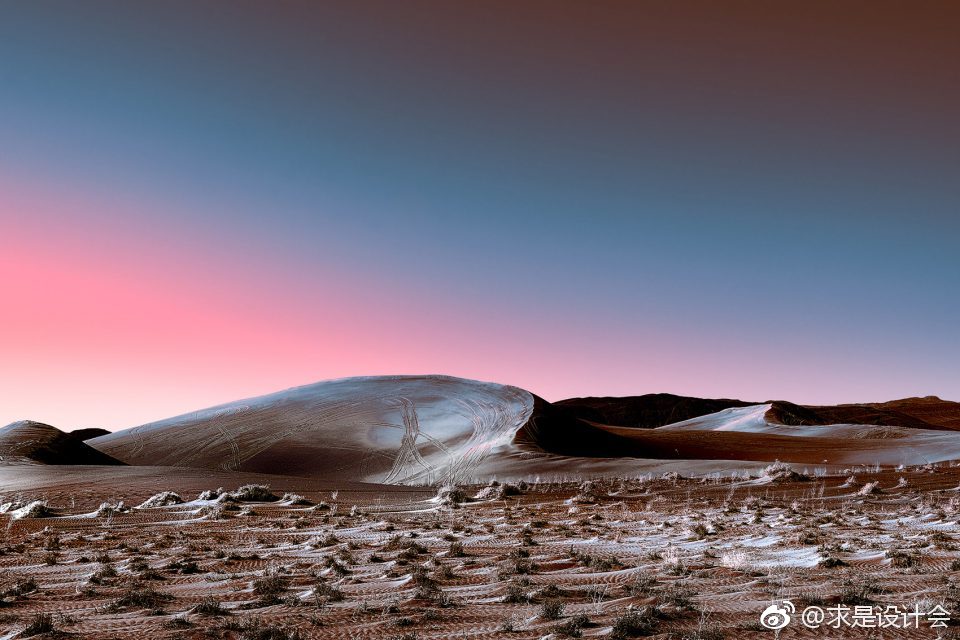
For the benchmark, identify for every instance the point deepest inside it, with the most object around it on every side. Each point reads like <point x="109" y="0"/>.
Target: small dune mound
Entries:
<point x="218" y="495"/>
<point x="45" y="444"/>
<point x="212" y="494"/>
<point x="589" y="493"/>
<point x="107" y="509"/>
<point x="162" y="499"/>
<point x="869" y="489"/>
<point x="35" y="509"/>
<point x="781" y="472"/>
<point x="254" y="493"/>
<point x="451" y="495"/>
<point x="497" y="491"/>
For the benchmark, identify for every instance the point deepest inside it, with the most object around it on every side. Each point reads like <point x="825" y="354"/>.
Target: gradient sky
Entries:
<point x="204" y="201"/>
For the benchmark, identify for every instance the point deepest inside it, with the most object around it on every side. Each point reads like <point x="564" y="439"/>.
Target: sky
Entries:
<point x="201" y="202"/>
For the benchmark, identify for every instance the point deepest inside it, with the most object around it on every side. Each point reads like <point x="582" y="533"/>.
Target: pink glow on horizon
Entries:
<point x="114" y="329"/>
<point x="110" y="324"/>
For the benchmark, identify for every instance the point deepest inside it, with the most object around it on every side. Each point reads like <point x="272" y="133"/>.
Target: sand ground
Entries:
<point x="690" y="558"/>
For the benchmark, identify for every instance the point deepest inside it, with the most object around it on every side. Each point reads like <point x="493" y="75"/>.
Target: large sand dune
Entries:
<point x="397" y="429"/>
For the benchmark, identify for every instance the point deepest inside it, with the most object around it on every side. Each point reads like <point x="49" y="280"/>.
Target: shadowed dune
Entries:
<point x="930" y="409"/>
<point x="88" y="434"/>
<point x="650" y="410"/>
<point x="43" y="443"/>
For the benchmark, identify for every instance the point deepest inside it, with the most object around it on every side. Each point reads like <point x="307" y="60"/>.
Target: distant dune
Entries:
<point x="38" y="442"/>
<point x="659" y="409"/>
<point x="930" y="409"/>
<point x="646" y="411"/>
<point x="747" y="433"/>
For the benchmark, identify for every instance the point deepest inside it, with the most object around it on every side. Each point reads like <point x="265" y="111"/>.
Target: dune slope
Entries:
<point x="391" y="429"/>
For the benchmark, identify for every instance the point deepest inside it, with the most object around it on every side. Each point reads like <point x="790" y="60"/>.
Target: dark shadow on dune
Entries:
<point x="646" y="411"/>
<point x="48" y="445"/>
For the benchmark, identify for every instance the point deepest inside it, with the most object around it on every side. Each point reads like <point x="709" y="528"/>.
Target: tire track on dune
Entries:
<point x="408" y="453"/>
<point x="139" y="442"/>
<point x="220" y="423"/>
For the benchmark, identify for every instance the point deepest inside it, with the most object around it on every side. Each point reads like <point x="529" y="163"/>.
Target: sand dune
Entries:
<point x="398" y="429"/>
<point x="650" y="410"/>
<point x="930" y="409"/>
<point x="747" y="433"/>
<point x="38" y="442"/>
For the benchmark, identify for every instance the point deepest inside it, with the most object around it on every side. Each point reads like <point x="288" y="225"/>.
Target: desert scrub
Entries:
<point x="781" y="472"/>
<point x="443" y="572"/>
<point x="135" y="564"/>
<point x="589" y="493"/>
<point x="572" y="628"/>
<point x="338" y="568"/>
<point x="21" y="588"/>
<point x="183" y="566"/>
<point x="678" y="595"/>
<point x="831" y="562"/>
<point x="177" y="622"/>
<point x="516" y="593"/>
<point x="40" y="623"/>
<point x="596" y="562"/>
<point x="254" y="493"/>
<point x="552" y="609"/>
<point x="271" y="585"/>
<point x="140" y="597"/>
<point x="636" y="622"/>
<point x="162" y="499"/>
<point x="103" y="574"/>
<point x="209" y="607"/>
<point x="427" y="587"/>
<point x="451" y="495"/>
<point x="704" y="632"/>
<point x="255" y="629"/>
<point x="902" y="559"/>
<point x="549" y="592"/>
<point x="859" y="592"/>
<point x="324" y="592"/>
<point x="642" y="585"/>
